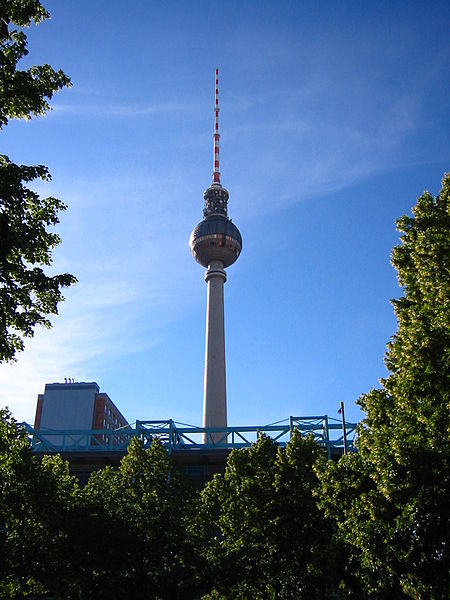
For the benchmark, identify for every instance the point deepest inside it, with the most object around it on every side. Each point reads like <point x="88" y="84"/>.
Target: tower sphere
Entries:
<point x="215" y="238"/>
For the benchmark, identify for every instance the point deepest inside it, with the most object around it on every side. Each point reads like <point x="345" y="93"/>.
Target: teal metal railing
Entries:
<point x="326" y="431"/>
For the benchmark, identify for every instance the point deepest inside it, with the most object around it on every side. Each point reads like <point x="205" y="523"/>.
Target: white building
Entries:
<point x="76" y="406"/>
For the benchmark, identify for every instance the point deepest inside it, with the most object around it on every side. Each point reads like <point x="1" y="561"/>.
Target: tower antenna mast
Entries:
<point x="216" y="135"/>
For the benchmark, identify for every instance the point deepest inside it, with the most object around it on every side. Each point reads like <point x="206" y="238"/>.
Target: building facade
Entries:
<point x="76" y="406"/>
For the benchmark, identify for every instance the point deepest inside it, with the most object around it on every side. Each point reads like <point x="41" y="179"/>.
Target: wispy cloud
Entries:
<point x="123" y="254"/>
<point x="98" y="323"/>
<point x="310" y="150"/>
<point x="120" y="111"/>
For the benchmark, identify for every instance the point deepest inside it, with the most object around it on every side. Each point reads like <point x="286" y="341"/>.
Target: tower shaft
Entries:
<point x="215" y="393"/>
<point x="216" y="244"/>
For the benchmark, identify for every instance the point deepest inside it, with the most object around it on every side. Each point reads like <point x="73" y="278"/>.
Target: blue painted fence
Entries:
<point x="326" y="431"/>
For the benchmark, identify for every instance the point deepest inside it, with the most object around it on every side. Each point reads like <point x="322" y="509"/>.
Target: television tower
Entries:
<point x="216" y="244"/>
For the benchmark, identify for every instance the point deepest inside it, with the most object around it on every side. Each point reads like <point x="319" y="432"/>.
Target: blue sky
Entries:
<point x="334" y="119"/>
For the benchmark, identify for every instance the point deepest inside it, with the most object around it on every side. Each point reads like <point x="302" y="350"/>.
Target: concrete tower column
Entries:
<point x="215" y="392"/>
<point x="215" y="243"/>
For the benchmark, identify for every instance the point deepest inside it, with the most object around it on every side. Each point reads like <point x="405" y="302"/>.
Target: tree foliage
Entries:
<point x="141" y="512"/>
<point x="262" y="534"/>
<point x="36" y="503"/>
<point x="391" y="500"/>
<point x="23" y="92"/>
<point x="27" y="293"/>
<point x="143" y="531"/>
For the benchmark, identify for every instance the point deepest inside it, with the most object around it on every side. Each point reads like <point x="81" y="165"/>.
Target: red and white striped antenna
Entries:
<point x="216" y="135"/>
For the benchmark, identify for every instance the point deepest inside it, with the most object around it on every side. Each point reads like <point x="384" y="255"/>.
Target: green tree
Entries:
<point x="36" y="504"/>
<point x="139" y="514"/>
<point x="306" y="554"/>
<point x="261" y="531"/>
<point x="391" y="499"/>
<point x="27" y="294"/>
